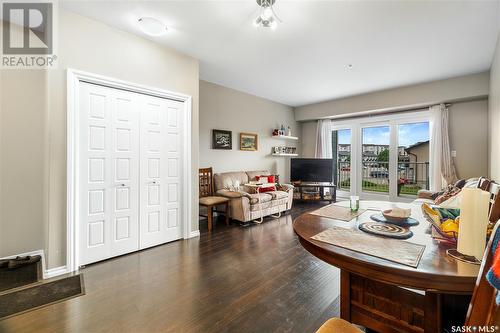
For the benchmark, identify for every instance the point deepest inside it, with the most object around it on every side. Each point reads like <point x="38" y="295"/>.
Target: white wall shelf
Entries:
<point x="285" y="154"/>
<point x="285" y="137"/>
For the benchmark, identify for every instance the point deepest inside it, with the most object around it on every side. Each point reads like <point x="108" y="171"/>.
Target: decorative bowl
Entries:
<point x="391" y="218"/>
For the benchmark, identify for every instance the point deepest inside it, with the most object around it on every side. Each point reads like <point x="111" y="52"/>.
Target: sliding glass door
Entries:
<point x="382" y="158"/>
<point x="413" y="158"/>
<point x="375" y="159"/>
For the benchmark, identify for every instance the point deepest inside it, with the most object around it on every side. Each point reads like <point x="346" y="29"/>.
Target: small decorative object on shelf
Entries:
<point x="282" y="133"/>
<point x="284" y="150"/>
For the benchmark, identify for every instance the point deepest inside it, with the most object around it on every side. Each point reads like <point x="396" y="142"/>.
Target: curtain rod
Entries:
<point x="384" y="113"/>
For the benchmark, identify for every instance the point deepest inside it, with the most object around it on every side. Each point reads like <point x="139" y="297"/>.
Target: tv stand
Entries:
<point x="306" y="191"/>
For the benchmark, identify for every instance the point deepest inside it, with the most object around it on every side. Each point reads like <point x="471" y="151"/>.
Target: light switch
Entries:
<point x="453" y="153"/>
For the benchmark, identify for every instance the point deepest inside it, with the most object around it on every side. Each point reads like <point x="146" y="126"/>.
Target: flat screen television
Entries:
<point x="314" y="170"/>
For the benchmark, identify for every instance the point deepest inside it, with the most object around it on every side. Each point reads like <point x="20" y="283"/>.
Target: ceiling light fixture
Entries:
<point x="152" y="26"/>
<point x="267" y="16"/>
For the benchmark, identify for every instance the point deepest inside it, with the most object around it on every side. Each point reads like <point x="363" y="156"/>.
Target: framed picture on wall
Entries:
<point x="249" y="141"/>
<point x="222" y="139"/>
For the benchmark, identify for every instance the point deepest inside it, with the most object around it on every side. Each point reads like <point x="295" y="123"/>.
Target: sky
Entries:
<point x="408" y="134"/>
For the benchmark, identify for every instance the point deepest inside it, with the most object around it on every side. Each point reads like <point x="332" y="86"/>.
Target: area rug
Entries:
<point x="337" y="212"/>
<point x="39" y="295"/>
<point x="395" y="250"/>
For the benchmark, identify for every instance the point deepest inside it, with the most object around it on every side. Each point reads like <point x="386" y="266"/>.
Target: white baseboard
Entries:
<point x="31" y="253"/>
<point x="194" y="234"/>
<point x="49" y="273"/>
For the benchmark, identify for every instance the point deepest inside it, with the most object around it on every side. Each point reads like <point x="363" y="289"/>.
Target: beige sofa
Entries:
<point x="245" y="204"/>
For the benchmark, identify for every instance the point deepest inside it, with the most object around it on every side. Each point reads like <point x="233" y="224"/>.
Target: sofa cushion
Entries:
<point x="260" y="198"/>
<point x="269" y="204"/>
<point x="229" y="180"/>
<point x="278" y="194"/>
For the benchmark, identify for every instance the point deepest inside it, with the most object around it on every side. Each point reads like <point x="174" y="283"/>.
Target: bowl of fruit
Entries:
<point x="445" y="222"/>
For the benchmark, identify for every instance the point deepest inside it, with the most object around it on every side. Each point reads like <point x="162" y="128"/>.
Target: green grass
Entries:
<point x="407" y="189"/>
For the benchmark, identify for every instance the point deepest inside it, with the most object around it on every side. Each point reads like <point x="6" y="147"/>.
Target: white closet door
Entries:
<point x="161" y="171"/>
<point x="109" y="165"/>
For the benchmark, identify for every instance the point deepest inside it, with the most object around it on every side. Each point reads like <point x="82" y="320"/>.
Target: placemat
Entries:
<point x="395" y="250"/>
<point x="386" y="230"/>
<point x="410" y="222"/>
<point x="333" y="211"/>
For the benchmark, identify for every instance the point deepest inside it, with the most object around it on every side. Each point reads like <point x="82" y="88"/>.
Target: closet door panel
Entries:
<point x="153" y="157"/>
<point x="160" y="171"/>
<point x="174" y="168"/>
<point x="108" y="159"/>
<point x="125" y="160"/>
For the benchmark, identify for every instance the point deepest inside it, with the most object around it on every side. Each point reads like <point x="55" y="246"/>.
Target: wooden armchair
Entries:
<point x="483" y="310"/>
<point x="207" y="198"/>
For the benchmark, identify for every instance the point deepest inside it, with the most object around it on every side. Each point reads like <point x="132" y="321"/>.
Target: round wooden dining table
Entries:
<point x="386" y="296"/>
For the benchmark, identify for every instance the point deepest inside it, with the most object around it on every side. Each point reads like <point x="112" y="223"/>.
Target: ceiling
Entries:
<point x="305" y="60"/>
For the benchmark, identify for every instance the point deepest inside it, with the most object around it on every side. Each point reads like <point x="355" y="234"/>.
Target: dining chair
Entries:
<point x="207" y="198"/>
<point x="483" y="309"/>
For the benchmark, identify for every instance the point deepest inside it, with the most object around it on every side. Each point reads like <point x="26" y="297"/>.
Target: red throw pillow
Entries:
<point x="265" y="178"/>
<point x="266" y="189"/>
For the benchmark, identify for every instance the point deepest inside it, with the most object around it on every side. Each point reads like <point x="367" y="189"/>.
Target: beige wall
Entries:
<point x="468" y="121"/>
<point x="469" y="137"/>
<point x="23" y="174"/>
<point x="494" y="117"/>
<point x="464" y="87"/>
<point x="228" y="109"/>
<point x="308" y="139"/>
<point x="36" y="142"/>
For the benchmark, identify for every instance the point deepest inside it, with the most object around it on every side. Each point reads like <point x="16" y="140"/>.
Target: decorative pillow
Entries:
<point x="460" y="183"/>
<point x="436" y="194"/>
<point x="451" y="191"/>
<point x="453" y="202"/>
<point x="265" y="179"/>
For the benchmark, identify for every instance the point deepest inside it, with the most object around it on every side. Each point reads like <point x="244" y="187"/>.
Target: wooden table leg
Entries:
<point x="210" y="217"/>
<point x="432" y="312"/>
<point x="345" y="295"/>
<point x="227" y="213"/>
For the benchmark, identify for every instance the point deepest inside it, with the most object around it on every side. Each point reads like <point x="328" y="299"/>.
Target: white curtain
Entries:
<point x="324" y="139"/>
<point x="442" y="170"/>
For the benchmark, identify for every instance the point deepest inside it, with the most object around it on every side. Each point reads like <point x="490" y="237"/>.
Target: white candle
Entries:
<point x="474" y="208"/>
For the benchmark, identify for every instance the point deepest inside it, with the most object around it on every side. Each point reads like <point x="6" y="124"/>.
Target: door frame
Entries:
<point x="393" y="121"/>
<point x="74" y="78"/>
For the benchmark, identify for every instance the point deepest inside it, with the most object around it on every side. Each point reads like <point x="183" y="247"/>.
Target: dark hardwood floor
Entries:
<point x="235" y="279"/>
